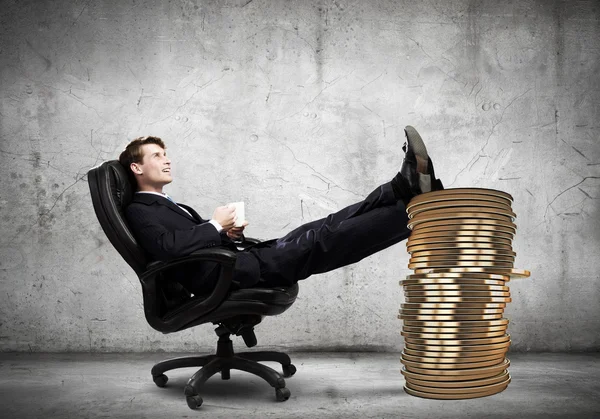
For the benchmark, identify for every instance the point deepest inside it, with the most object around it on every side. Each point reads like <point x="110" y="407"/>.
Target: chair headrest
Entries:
<point x="111" y="190"/>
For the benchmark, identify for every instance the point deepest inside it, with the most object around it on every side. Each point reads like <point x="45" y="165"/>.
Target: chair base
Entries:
<point x="224" y="361"/>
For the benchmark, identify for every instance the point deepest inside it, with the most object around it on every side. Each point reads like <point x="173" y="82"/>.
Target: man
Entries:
<point x="167" y="230"/>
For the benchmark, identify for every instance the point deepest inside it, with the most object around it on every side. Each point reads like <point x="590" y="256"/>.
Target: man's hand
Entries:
<point x="236" y="232"/>
<point x="224" y="216"/>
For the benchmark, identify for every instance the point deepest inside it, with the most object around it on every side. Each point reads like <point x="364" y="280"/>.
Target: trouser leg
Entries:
<point x="340" y="239"/>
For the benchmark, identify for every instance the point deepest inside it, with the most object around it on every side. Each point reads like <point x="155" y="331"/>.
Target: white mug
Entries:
<point x="239" y="212"/>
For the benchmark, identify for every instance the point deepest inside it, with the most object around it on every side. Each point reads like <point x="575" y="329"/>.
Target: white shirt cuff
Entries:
<point x="217" y="225"/>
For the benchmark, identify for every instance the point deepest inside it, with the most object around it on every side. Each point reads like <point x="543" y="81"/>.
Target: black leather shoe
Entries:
<point x="413" y="147"/>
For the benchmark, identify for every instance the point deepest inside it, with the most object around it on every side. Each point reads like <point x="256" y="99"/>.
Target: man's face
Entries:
<point x="154" y="171"/>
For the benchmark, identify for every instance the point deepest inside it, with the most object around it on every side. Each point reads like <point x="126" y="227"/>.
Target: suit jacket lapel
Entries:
<point x="192" y="211"/>
<point x="151" y="198"/>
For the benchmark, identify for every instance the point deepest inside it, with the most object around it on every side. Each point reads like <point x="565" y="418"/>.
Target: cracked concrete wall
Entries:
<point x="297" y="108"/>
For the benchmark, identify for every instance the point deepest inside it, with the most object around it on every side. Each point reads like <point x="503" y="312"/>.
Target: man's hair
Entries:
<point x="133" y="153"/>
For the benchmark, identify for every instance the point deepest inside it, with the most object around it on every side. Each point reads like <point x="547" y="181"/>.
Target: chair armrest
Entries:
<point x="246" y="242"/>
<point x="222" y="256"/>
<point x="250" y="240"/>
<point x="226" y="258"/>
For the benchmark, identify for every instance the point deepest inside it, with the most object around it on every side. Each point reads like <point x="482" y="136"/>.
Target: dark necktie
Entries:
<point x="182" y="209"/>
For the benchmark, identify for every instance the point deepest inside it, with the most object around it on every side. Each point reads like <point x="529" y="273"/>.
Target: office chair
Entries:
<point x="169" y="307"/>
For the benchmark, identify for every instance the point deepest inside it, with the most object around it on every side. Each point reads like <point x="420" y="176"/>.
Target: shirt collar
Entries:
<point x="164" y="195"/>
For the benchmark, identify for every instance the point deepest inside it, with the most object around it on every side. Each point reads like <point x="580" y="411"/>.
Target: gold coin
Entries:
<point x="455" y="293"/>
<point x="477" y="232"/>
<point x="462" y="348"/>
<point x="465" y="243"/>
<point x="460" y="305"/>
<point x="463" y="396"/>
<point x="443" y="328"/>
<point x="420" y="238"/>
<point x="465" y="212"/>
<point x="459" y="257"/>
<point x="473" y="234"/>
<point x="452" y="306"/>
<point x="458" y="199"/>
<point x="451" y="204"/>
<point x="452" y="192"/>
<point x="477" y="223"/>
<point x="442" y="264"/>
<point x="412" y="365"/>
<point x="460" y="264"/>
<point x="456" y="342"/>
<point x="455" y="356"/>
<point x="457" y="254"/>
<point x="458" y="239"/>
<point x="462" y="252"/>
<point x="464" y="228"/>
<point x="491" y="323"/>
<point x="456" y="361"/>
<point x="473" y="201"/>
<point x="424" y="312"/>
<point x="461" y="275"/>
<point x="451" y="250"/>
<point x="456" y="336"/>
<point x="457" y="299"/>
<point x="452" y="382"/>
<point x="454" y="310"/>
<point x="440" y="246"/>
<point x="452" y="247"/>
<point x="481" y="329"/>
<point x="410" y="377"/>
<point x="499" y="271"/>
<point x="451" y="281"/>
<point x="450" y="312"/>
<point x="499" y="241"/>
<point x="460" y="287"/>
<point x="481" y="371"/>
<point x="456" y="394"/>
<point x="485" y="217"/>
<point x="466" y="317"/>
<point x="438" y="312"/>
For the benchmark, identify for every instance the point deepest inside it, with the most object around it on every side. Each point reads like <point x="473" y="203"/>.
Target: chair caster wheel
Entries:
<point x="194" y="402"/>
<point x="160" y="380"/>
<point x="289" y="370"/>
<point x="282" y="394"/>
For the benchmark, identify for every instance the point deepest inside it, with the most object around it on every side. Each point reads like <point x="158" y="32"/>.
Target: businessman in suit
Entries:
<point x="167" y="230"/>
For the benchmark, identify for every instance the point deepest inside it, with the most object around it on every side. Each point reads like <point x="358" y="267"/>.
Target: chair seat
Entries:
<point x="276" y="296"/>
<point x="248" y="301"/>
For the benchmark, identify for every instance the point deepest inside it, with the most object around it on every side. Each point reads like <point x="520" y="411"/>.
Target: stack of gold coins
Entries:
<point x="455" y="334"/>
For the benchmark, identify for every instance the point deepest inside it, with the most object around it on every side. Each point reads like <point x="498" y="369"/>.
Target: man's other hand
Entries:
<point x="236" y="232"/>
<point x="224" y="216"/>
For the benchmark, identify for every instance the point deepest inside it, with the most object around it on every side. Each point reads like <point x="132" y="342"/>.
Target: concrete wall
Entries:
<point x="297" y="108"/>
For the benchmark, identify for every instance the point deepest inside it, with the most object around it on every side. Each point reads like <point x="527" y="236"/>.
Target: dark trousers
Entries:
<point x="340" y="239"/>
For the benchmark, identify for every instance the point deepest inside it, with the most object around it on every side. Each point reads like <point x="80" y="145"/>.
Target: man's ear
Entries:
<point x="135" y="168"/>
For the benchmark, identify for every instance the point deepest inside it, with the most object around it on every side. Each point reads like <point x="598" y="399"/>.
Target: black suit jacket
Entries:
<point x="167" y="232"/>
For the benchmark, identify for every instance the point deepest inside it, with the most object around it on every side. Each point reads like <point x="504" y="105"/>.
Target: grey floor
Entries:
<point x="338" y="385"/>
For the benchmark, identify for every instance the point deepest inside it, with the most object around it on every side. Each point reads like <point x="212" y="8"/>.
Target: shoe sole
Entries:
<point x="416" y="142"/>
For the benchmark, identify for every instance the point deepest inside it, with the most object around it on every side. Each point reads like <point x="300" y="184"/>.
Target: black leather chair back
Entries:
<point x="168" y="307"/>
<point x="112" y="190"/>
